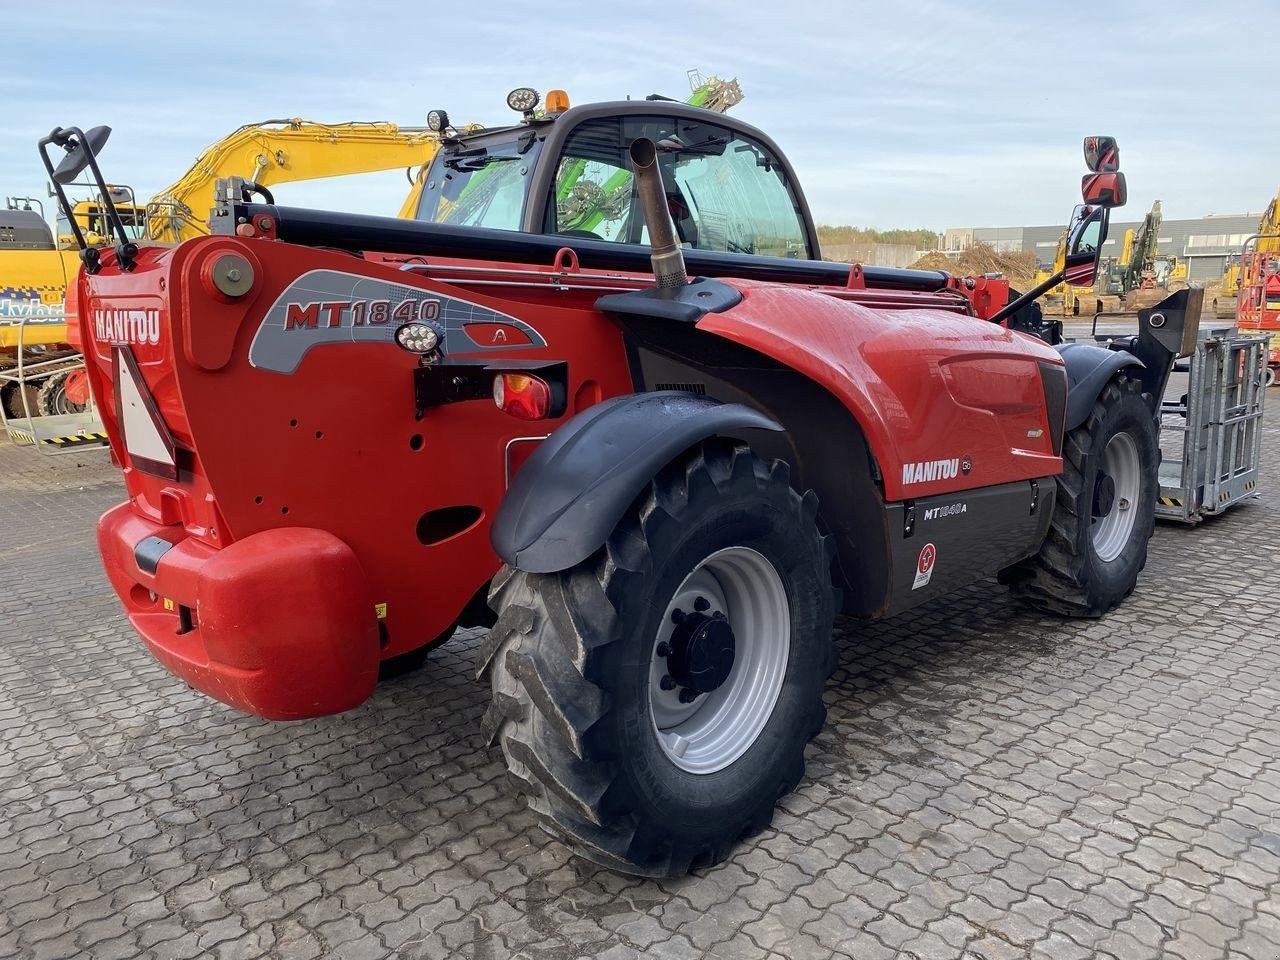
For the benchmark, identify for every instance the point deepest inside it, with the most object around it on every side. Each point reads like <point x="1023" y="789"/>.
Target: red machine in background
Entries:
<point x="1258" y="301"/>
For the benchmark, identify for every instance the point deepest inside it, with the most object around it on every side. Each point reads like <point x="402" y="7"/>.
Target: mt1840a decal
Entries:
<point x="329" y="306"/>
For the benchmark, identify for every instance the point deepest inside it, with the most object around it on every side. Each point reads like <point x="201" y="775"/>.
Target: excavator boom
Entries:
<point x="283" y="151"/>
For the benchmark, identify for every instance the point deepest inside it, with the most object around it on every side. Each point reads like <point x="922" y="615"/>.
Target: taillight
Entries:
<point x="522" y="395"/>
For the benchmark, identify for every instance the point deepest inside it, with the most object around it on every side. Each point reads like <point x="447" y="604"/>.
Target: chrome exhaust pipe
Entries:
<point x="668" y="261"/>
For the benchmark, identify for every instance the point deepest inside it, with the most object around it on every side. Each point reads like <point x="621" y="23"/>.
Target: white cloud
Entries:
<point x="920" y="114"/>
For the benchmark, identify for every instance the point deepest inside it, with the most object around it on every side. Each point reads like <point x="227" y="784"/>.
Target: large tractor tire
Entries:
<point x="1104" y="512"/>
<point x="65" y="392"/>
<point x="653" y="703"/>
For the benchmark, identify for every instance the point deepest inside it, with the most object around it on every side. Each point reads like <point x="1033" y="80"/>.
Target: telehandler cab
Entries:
<point x="340" y="433"/>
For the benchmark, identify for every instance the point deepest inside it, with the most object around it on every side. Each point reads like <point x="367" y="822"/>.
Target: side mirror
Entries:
<point x="1085" y="236"/>
<point x="1101" y="154"/>
<point x="1104" y="189"/>
<point x="77" y="157"/>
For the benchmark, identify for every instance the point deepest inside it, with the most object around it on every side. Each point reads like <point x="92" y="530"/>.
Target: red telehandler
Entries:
<point x="341" y="433"/>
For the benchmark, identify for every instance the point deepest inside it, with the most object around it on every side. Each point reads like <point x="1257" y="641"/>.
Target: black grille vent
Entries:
<point x="699" y="388"/>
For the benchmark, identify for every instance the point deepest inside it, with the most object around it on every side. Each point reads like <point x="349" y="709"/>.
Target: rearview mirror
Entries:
<point x="1085" y="236"/>
<point x="1104" y="189"/>
<point x="77" y="157"/>
<point x="1101" y="154"/>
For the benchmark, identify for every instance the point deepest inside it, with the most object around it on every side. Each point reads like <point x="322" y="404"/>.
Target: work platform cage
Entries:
<point x="1211" y="434"/>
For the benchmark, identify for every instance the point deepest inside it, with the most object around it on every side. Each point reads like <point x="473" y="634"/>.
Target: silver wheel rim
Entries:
<point x="719" y="727"/>
<point x="1112" y="526"/>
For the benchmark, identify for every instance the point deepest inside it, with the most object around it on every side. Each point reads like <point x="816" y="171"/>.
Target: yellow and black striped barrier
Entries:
<point x="85" y="438"/>
<point x="79" y="439"/>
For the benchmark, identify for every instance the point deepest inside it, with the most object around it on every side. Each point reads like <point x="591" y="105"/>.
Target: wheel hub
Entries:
<point x="1116" y="491"/>
<point x="701" y="650"/>
<point x="717" y="665"/>
<point x="1104" y="495"/>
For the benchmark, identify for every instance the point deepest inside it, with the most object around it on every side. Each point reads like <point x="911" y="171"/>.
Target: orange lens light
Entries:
<point x="521" y="395"/>
<point x="557" y="101"/>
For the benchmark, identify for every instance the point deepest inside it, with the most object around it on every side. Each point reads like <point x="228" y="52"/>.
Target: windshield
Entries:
<point x="726" y="192"/>
<point x="479" y="186"/>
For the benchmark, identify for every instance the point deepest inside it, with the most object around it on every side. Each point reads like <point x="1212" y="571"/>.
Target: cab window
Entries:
<point x="479" y="186"/>
<point x="726" y="192"/>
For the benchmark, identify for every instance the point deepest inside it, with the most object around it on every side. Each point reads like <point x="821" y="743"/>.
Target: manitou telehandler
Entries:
<point x="341" y="433"/>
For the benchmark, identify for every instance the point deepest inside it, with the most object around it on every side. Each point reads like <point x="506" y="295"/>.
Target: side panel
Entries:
<point x="943" y="543"/>
<point x="947" y="402"/>
<point x="974" y="533"/>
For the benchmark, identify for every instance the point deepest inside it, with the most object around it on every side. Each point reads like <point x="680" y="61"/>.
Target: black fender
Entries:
<point x="1089" y="367"/>
<point x="572" y="491"/>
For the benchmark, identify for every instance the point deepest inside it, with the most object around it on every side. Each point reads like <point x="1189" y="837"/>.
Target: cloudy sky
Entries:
<point x="903" y="114"/>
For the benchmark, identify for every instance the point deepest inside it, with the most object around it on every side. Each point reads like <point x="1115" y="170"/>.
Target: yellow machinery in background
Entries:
<point x="35" y="267"/>
<point x="1258" y="298"/>
<point x="286" y="151"/>
<point x="1065" y="295"/>
<point x="1140" y="276"/>
<point x="1058" y="293"/>
<point x="1225" y="302"/>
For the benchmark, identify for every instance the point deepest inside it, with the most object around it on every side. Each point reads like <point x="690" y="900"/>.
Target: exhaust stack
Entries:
<point x="668" y="261"/>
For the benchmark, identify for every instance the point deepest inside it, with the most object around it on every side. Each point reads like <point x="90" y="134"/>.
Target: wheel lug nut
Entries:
<point x="664" y="649"/>
<point x="701" y="604"/>
<point x="677" y="616"/>
<point x="718" y="616"/>
<point x="666" y="683"/>
<point x="688" y="696"/>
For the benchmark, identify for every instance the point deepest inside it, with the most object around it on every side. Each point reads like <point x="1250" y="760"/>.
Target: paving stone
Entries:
<point x="991" y="784"/>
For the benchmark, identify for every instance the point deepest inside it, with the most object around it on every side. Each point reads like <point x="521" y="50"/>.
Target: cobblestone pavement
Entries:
<point x="990" y="784"/>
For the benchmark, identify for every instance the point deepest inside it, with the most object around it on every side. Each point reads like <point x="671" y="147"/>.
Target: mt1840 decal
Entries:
<point x="329" y="306"/>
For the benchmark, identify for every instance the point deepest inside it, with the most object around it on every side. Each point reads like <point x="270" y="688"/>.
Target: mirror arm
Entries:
<point x="126" y="250"/>
<point x="58" y="136"/>
<point x="1013" y="306"/>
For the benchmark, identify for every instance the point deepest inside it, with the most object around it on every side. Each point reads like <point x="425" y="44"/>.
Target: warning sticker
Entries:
<point x="924" y="566"/>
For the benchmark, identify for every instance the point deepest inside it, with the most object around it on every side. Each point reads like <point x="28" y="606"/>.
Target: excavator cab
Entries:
<point x="91" y="217"/>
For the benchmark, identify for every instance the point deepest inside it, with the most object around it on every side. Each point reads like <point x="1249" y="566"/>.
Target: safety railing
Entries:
<point x="48" y="433"/>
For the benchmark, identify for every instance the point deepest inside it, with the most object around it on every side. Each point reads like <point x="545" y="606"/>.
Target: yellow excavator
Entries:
<point x="35" y="266"/>
<point x="285" y="151"/>
<point x="1064" y="295"/>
